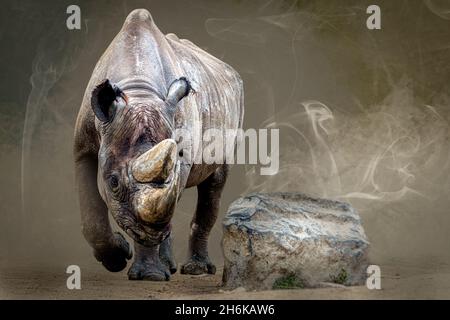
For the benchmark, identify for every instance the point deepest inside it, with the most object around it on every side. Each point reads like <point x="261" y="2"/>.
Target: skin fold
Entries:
<point x="128" y="161"/>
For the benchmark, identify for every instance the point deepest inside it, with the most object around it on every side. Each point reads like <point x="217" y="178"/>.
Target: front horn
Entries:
<point x="156" y="164"/>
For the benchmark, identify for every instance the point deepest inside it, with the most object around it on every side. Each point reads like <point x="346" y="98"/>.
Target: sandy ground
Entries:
<point x="398" y="282"/>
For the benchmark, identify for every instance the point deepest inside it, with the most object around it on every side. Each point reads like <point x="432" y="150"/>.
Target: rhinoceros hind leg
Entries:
<point x="208" y="203"/>
<point x="147" y="265"/>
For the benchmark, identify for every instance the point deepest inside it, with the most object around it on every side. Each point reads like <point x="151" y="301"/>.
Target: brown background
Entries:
<point x="363" y="115"/>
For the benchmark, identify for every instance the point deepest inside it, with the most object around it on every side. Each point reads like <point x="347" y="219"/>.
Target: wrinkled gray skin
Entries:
<point x="145" y="86"/>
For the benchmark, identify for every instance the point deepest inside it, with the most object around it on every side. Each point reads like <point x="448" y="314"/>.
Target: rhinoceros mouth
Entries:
<point x="148" y="236"/>
<point x="141" y="232"/>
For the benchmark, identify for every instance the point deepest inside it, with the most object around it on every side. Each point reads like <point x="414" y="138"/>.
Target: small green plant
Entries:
<point x="341" y="278"/>
<point x="288" y="282"/>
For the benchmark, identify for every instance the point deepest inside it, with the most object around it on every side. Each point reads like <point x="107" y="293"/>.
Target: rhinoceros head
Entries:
<point x="138" y="166"/>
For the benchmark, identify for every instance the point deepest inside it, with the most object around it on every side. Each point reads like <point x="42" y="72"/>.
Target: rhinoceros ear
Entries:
<point x="178" y="89"/>
<point x="103" y="100"/>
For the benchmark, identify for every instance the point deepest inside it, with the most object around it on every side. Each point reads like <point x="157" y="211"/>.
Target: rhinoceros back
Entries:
<point x="218" y="97"/>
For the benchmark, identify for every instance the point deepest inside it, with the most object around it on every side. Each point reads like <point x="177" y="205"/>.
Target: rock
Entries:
<point x="290" y="240"/>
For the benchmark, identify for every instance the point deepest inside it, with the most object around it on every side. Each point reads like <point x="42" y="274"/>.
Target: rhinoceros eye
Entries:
<point x="113" y="182"/>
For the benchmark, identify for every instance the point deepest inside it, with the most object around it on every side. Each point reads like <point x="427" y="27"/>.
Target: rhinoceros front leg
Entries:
<point x="166" y="254"/>
<point x="153" y="263"/>
<point x="209" y="193"/>
<point x="111" y="249"/>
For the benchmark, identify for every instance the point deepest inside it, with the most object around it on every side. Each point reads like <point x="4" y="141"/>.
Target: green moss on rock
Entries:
<point x="288" y="282"/>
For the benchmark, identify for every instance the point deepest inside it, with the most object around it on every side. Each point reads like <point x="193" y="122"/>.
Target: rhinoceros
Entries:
<point x="128" y="162"/>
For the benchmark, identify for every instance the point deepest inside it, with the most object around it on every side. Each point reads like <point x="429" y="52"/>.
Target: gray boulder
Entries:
<point x="288" y="240"/>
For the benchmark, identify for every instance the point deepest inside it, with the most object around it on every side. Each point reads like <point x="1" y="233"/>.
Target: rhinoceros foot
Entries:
<point x="197" y="265"/>
<point x="152" y="271"/>
<point x="147" y="265"/>
<point x="115" y="255"/>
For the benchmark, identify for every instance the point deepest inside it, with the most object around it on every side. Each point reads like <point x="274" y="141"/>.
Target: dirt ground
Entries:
<point x="399" y="281"/>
